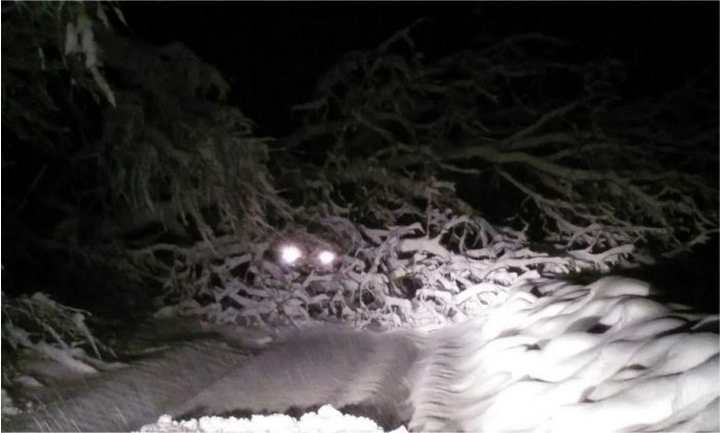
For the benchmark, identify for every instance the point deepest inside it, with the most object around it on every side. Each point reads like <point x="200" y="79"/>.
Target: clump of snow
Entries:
<point x="326" y="420"/>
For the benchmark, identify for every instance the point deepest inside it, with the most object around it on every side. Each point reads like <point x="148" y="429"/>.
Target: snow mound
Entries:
<point x="326" y="420"/>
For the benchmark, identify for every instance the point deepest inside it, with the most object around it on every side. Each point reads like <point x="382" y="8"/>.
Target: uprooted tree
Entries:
<point x="444" y="180"/>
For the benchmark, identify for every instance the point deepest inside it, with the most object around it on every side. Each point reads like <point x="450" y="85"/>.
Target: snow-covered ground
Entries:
<point x="596" y="358"/>
<point x="552" y="357"/>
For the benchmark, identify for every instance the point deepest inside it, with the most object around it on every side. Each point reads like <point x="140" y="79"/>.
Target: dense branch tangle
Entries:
<point x="524" y="127"/>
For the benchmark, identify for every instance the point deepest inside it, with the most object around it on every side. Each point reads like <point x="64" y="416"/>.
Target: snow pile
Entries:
<point x="326" y="420"/>
<point x="559" y="357"/>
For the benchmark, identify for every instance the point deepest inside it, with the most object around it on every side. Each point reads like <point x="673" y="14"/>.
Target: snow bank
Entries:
<point x="326" y="420"/>
<point x="559" y="357"/>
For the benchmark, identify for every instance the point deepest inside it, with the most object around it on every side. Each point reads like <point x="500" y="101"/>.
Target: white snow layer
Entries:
<point x="532" y="366"/>
<point x="326" y="420"/>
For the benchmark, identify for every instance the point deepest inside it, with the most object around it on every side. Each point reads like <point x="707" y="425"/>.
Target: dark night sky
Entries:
<point x="272" y="53"/>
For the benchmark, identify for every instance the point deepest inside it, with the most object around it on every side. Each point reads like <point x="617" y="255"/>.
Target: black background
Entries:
<point x="273" y="52"/>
